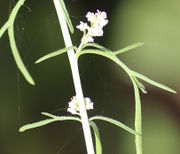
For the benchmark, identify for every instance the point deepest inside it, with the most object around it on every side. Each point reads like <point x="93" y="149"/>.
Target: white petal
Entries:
<point x="82" y="26"/>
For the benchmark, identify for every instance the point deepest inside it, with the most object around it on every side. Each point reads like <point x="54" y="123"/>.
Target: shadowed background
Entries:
<point x="37" y="33"/>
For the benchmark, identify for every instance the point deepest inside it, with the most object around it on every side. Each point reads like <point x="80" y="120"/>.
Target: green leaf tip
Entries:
<point x="36" y="124"/>
<point x="31" y="81"/>
<point x="53" y="54"/>
<point x="135" y="45"/>
<point x="17" y="56"/>
<point x="154" y="83"/>
<point x="140" y="85"/>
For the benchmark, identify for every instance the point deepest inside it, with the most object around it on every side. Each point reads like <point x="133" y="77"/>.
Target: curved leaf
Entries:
<point x="114" y="122"/>
<point x="17" y="57"/>
<point x="128" y="70"/>
<point x="14" y="49"/>
<point x="97" y="138"/>
<point x="95" y="45"/>
<point x="107" y="55"/>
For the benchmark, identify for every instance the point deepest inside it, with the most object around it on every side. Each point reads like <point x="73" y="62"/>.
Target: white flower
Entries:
<point x="96" y="31"/>
<point x="97" y="21"/>
<point x="82" y="26"/>
<point x="101" y="18"/>
<point x="88" y="103"/>
<point x="91" y="17"/>
<point x="73" y="106"/>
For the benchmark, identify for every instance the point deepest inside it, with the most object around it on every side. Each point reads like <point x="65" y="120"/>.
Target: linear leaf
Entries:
<point x="15" y="11"/>
<point x="138" y="117"/>
<point x="66" y="14"/>
<point x="127" y="70"/>
<point x="95" y="45"/>
<point x="107" y="55"/>
<point x="128" y="48"/>
<point x="17" y="57"/>
<point x="48" y="115"/>
<point x="53" y="54"/>
<point x="114" y="122"/>
<point x="47" y="121"/>
<point x="36" y="124"/>
<point x="97" y="138"/>
<point x="154" y="83"/>
<point x="60" y="118"/>
<point x="4" y="28"/>
<point x="140" y="85"/>
<point x="14" y="49"/>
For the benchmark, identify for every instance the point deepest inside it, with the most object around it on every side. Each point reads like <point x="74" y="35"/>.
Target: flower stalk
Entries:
<point x="76" y="79"/>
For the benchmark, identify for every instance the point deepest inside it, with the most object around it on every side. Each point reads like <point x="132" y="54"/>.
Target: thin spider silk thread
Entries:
<point x="11" y="5"/>
<point x="19" y="40"/>
<point x="18" y="32"/>
<point x="68" y="141"/>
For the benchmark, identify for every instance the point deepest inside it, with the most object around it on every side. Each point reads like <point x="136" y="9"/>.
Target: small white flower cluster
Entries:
<point x="73" y="106"/>
<point x="97" y="21"/>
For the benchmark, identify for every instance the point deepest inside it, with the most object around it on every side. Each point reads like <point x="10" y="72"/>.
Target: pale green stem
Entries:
<point x="138" y="118"/>
<point x="76" y="79"/>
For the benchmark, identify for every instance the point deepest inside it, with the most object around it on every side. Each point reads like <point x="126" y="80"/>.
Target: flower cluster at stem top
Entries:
<point x="97" y="21"/>
<point x="73" y="106"/>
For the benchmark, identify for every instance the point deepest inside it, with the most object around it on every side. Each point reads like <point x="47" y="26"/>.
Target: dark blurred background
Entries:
<point x="37" y="33"/>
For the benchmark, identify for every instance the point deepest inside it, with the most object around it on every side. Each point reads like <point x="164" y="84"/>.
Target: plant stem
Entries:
<point x="138" y="118"/>
<point x="76" y="79"/>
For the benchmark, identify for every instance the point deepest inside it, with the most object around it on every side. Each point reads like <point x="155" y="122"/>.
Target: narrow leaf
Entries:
<point x="48" y="115"/>
<point x="138" y="118"/>
<point x="128" y="48"/>
<point x="17" y="57"/>
<point x="36" y="124"/>
<point x="14" y="49"/>
<point x="47" y="121"/>
<point x="15" y="11"/>
<point x="140" y="85"/>
<point x="66" y="14"/>
<point x="154" y="83"/>
<point x="61" y="118"/>
<point x="107" y="55"/>
<point x="53" y="54"/>
<point x="95" y="45"/>
<point x="114" y="122"/>
<point x="97" y="138"/>
<point x="4" y="28"/>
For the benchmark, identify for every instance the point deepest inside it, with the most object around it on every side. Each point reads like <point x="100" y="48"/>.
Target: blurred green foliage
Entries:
<point x="37" y="33"/>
